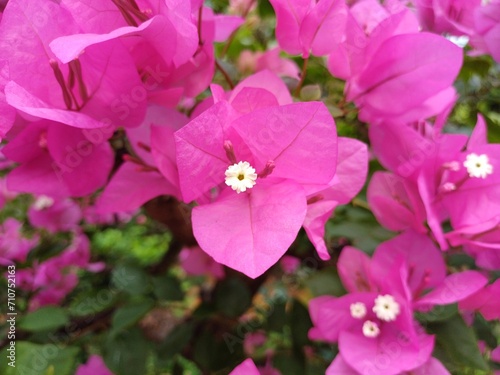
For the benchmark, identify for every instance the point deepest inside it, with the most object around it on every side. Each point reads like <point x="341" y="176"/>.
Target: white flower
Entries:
<point x="370" y="329"/>
<point x="358" y="310"/>
<point x="478" y="165"/>
<point x="241" y="176"/>
<point x="386" y="308"/>
<point x="43" y="202"/>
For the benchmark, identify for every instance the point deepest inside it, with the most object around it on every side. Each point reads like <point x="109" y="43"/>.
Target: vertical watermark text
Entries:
<point x="11" y="315"/>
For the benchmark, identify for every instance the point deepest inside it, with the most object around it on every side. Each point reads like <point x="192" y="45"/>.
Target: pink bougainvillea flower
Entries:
<point x="481" y="241"/>
<point x="469" y="190"/>
<point x="486" y="301"/>
<point x="7" y="113"/>
<point x="272" y="61"/>
<point x="262" y="89"/>
<point x="379" y="69"/>
<point x="253" y="341"/>
<point x="132" y="186"/>
<point x="54" y="214"/>
<point x="5" y="194"/>
<point x="87" y="92"/>
<point x="153" y="172"/>
<point x="247" y="367"/>
<point x="164" y="27"/>
<point x="57" y="160"/>
<point x="13" y="246"/>
<point x="475" y="183"/>
<point x="162" y="39"/>
<point x="391" y="70"/>
<point x="305" y="27"/>
<point x="366" y="326"/>
<point x="350" y="176"/>
<point x="54" y="278"/>
<point x="395" y="202"/>
<point x="435" y="173"/>
<point x="340" y="367"/>
<point x="495" y="354"/>
<point x="196" y="262"/>
<point x="383" y="294"/>
<point x="194" y="76"/>
<point x="363" y="37"/>
<point x="249" y="62"/>
<point x="263" y="165"/>
<point x="94" y="366"/>
<point x="5" y="163"/>
<point x="423" y="270"/>
<point x="454" y="17"/>
<point x="486" y="38"/>
<point x="289" y="264"/>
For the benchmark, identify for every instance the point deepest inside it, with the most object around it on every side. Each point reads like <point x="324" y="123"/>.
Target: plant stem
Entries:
<point x="302" y="77"/>
<point x="224" y="73"/>
<point x="233" y="34"/>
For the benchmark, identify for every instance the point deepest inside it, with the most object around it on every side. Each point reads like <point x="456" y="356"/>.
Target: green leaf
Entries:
<point x="128" y="315"/>
<point x="265" y="8"/>
<point x="188" y="367"/>
<point x="288" y="364"/>
<point x="90" y="302"/>
<point x="212" y="353"/>
<point x="130" y="279"/>
<point x="35" y="359"/>
<point x="44" y="319"/>
<point x="457" y="342"/>
<point x="325" y="281"/>
<point x="232" y="297"/>
<point x="126" y="353"/>
<point x="176" y="340"/>
<point x="276" y="319"/>
<point x="438" y="314"/>
<point x="300" y="323"/>
<point x="168" y="288"/>
<point x="474" y="66"/>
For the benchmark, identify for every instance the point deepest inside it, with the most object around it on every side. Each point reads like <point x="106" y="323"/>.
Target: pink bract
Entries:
<point x="94" y="366"/>
<point x="304" y="27"/>
<point x="256" y="227"/>
<point x="400" y="271"/>
<point x="58" y="160"/>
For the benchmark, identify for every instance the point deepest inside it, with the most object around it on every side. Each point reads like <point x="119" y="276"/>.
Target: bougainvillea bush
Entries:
<point x="250" y="187"/>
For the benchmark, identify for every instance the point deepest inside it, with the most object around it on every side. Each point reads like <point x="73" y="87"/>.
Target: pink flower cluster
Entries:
<point x="374" y="324"/>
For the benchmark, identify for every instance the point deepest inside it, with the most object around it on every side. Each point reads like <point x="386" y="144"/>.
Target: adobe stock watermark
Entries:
<point x="11" y="315"/>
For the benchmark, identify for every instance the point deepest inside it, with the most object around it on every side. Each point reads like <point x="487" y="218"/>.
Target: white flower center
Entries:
<point x="386" y="308"/>
<point x="241" y="176"/>
<point x="478" y="165"/>
<point x="358" y="310"/>
<point x="43" y="202"/>
<point x="370" y="329"/>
